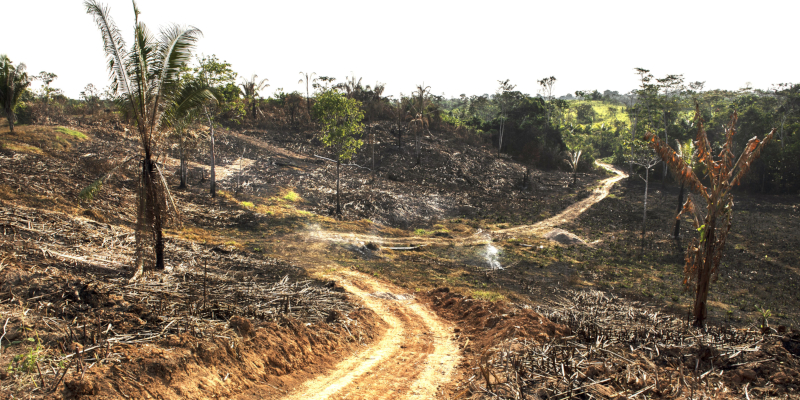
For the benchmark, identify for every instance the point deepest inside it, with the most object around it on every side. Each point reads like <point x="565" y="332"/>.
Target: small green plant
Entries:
<point x="25" y="363"/>
<point x="247" y="204"/>
<point x="90" y="191"/>
<point x="765" y="314"/>
<point x="420" y="232"/>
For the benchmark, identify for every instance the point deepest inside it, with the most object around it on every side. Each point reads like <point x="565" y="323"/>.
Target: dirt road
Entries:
<point x="573" y="211"/>
<point x="416" y="355"/>
<point x="539" y="228"/>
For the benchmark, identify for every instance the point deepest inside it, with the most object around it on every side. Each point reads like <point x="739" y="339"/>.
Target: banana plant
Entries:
<point x="725" y="172"/>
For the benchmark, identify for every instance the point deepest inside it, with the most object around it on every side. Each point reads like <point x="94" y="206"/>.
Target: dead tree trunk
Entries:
<point x="213" y="157"/>
<point x="338" y="203"/>
<point x="677" y="232"/>
<point x="183" y="163"/>
<point x="644" y="214"/>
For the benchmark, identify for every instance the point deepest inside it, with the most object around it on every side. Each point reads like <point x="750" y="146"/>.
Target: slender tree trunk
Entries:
<point x="704" y="275"/>
<point x="372" y="150"/>
<point x="500" y="138"/>
<point x="183" y="163"/>
<point x="633" y="137"/>
<point x="338" y="204"/>
<point x="644" y="214"/>
<point x="416" y="143"/>
<point x="666" y="140"/>
<point x="308" y="102"/>
<point x="680" y="206"/>
<point x="10" y="118"/>
<point x="213" y="157"/>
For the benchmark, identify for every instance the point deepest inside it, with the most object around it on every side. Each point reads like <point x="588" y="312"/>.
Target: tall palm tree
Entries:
<point x="250" y="89"/>
<point x="146" y="78"/>
<point x="308" y="79"/>
<point x="13" y="82"/>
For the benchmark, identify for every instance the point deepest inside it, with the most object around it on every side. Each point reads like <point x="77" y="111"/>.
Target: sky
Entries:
<point x="454" y="47"/>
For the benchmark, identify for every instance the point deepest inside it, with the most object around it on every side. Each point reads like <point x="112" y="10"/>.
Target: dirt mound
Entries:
<point x="487" y="324"/>
<point x="268" y="360"/>
<point x="563" y="237"/>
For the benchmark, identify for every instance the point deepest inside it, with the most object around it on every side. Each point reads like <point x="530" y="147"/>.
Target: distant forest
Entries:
<point x="534" y="129"/>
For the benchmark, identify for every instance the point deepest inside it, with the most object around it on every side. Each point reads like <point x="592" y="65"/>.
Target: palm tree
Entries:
<point x="250" y="89"/>
<point x="13" y="82"/>
<point x="308" y="79"/>
<point x="146" y="77"/>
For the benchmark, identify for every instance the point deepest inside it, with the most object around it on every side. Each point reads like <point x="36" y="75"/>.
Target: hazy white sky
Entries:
<point x="453" y="46"/>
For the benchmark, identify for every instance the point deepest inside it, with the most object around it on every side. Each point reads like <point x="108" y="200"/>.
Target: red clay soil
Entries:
<point x="266" y="361"/>
<point x="486" y="324"/>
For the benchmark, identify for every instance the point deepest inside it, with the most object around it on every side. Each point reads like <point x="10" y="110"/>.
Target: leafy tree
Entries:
<point x="250" y="89"/>
<point x="584" y="113"/>
<point x="327" y="83"/>
<point x="340" y="118"/>
<point x="219" y="78"/>
<point x="91" y="96"/>
<point x="671" y="88"/>
<point x="13" y="82"/>
<point x="724" y="173"/>
<point x="547" y="93"/>
<point x="146" y="77"/>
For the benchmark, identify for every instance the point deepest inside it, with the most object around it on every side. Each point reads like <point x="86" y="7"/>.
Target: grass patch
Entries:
<point x="21" y="148"/>
<point x="71" y="132"/>
<point x="291" y="196"/>
<point x="247" y="204"/>
<point x="487" y="295"/>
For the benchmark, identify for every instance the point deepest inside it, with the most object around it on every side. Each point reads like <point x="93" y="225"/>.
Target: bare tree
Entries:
<point x="504" y="101"/>
<point x="420" y="121"/>
<point x="646" y="158"/>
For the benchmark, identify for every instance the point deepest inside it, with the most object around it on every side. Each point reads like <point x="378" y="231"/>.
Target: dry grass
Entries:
<point x="39" y="139"/>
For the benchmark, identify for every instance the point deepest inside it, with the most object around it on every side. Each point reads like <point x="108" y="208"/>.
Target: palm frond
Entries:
<point x="114" y="46"/>
<point x="174" y="51"/>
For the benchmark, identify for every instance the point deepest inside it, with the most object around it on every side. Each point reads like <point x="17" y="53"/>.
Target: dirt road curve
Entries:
<point x="415" y="356"/>
<point x="539" y="228"/>
<point x="573" y="211"/>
